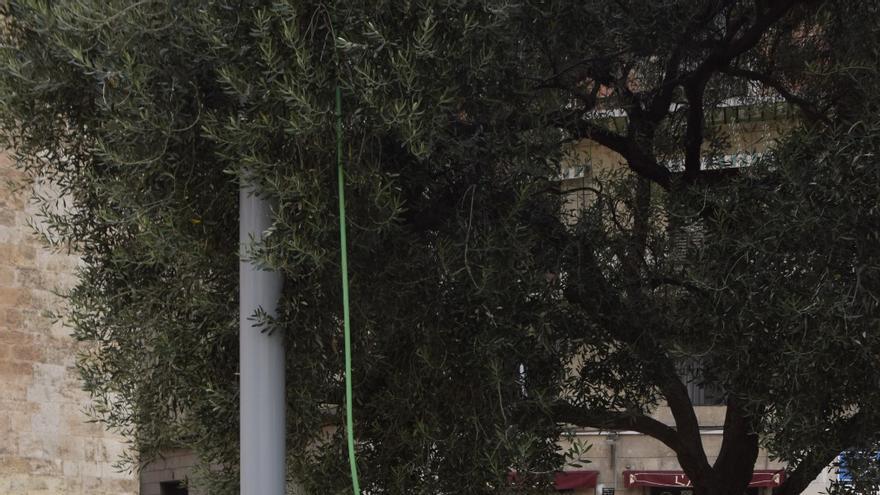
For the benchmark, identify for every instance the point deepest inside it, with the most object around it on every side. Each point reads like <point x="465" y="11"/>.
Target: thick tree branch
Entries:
<point x="692" y="456"/>
<point x="659" y="107"/>
<point x="565" y="412"/>
<point x="723" y="55"/>
<point x="693" y="141"/>
<point x="581" y="128"/>
<point x="806" y="471"/>
<point x="739" y="447"/>
<point x="638" y="160"/>
<point x="644" y="121"/>
<point x="847" y="436"/>
<point x="689" y="448"/>
<point x="805" y="105"/>
<point x="695" y="83"/>
<point x="647" y="166"/>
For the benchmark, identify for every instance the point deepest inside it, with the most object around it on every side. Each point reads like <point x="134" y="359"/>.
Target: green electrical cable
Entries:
<point x="343" y="248"/>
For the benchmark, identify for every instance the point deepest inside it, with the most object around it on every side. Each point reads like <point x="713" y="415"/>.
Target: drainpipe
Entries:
<point x="611" y="439"/>
<point x="261" y="361"/>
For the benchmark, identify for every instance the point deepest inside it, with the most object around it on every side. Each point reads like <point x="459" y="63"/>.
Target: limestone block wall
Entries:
<point x="174" y="466"/>
<point x="46" y="445"/>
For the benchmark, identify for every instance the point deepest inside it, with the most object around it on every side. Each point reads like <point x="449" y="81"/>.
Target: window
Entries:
<point x="700" y="393"/>
<point x="173" y="488"/>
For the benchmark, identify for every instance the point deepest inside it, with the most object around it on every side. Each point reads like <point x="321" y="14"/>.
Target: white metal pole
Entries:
<point x="261" y="355"/>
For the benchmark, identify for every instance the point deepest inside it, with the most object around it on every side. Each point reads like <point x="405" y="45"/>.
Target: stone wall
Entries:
<point x="46" y="445"/>
<point x="175" y="465"/>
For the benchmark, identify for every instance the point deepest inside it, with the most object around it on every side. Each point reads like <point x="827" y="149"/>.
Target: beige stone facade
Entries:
<point x="164" y="475"/>
<point x="47" y="447"/>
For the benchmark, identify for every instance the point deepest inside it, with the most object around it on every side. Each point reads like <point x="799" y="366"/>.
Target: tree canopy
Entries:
<point x="485" y="318"/>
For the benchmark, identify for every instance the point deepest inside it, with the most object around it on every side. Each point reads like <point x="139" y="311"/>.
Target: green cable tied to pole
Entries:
<point x="343" y="248"/>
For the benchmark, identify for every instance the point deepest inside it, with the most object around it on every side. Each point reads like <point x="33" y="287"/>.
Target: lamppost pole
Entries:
<point x="261" y="360"/>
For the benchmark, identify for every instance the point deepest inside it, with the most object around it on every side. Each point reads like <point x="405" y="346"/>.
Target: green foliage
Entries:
<point x="860" y="473"/>
<point x="791" y="279"/>
<point x="144" y="118"/>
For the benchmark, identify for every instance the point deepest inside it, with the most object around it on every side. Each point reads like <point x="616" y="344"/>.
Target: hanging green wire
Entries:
<point x="343" y="248"/>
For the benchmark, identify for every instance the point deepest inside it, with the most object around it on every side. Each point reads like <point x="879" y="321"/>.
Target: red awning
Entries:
<point x="568" y="480"/>
<point x="572" y="480"/>
<point x="760" y="478"/>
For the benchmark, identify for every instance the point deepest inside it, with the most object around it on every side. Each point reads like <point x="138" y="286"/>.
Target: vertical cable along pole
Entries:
<point x="343" y="248"/>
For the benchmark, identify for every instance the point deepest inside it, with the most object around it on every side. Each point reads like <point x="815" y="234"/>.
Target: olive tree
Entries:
<point x="485" y="320"/>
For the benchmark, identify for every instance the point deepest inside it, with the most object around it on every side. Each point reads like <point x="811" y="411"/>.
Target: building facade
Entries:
<point x="172" y="474"/>
<point x="47" y="445"/>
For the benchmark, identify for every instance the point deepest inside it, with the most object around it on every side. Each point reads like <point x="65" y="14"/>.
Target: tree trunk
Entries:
<point x="724" y="482"/>
<point x="720" y="488"/>
<point x="732" y="471"/>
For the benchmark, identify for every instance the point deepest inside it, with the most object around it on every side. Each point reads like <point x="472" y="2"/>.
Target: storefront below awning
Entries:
<point x="573" y="480"/>
<point x="568" y="480"/>
<point x="760" y="478"/>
